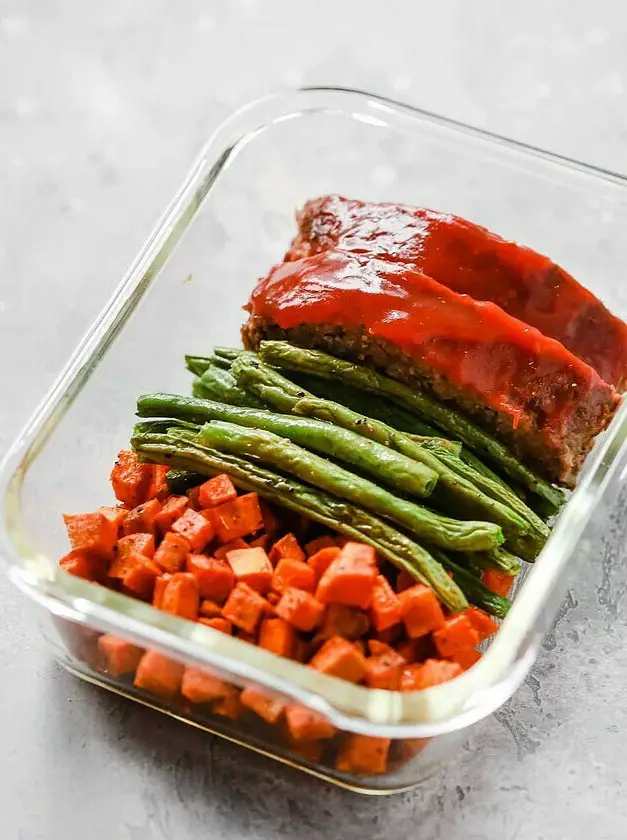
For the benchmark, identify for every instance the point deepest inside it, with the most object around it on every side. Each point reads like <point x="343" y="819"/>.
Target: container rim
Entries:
<point x="445" y="708"/>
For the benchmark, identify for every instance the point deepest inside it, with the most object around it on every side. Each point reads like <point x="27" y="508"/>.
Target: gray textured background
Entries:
<point x="102" y="107"/>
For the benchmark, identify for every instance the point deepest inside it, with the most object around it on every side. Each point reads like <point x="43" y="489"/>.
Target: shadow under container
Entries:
<point x="231" y="220"/>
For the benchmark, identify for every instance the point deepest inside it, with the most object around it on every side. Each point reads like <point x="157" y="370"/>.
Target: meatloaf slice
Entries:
<point x="543" y="402"/>
<point x="471" y="260"/>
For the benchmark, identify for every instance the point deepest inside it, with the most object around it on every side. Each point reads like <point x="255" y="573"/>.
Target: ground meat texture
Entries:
<point x="470" y="260"/>
<point x="540" y="400"/>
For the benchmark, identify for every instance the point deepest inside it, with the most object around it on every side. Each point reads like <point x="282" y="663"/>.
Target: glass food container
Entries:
<point x="230" y="221"/>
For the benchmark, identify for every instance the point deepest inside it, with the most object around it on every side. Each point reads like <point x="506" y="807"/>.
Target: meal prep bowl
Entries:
<point x="230" y="221"/>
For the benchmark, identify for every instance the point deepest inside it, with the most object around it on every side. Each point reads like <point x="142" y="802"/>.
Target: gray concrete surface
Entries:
<point x="101" y="108"/>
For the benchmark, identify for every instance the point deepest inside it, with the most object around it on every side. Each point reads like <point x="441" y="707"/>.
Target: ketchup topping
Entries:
<point x="470" y="260"/>
<point x="475" y="345"/>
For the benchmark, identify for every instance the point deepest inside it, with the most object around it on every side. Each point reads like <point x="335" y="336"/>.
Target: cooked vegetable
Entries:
<point x="300" y="609"/>
<point x="340" y="516"/>
<point x="285" y="356"/>
<point x="269" y="448"/>
<point x="339" y="658"/>
<point x="476" y="591"/>
<point x="368" y="456"/>
<point x="350" y="579"/>
<point x="218" y="384"/>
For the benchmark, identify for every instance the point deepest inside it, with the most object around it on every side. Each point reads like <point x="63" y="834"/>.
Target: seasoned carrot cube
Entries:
<point x="160" y="586"/>
<point x="420" y="610"/>
<point x="300" y="609"/>
<point x="385" y="609"/>
<point x="139" y="543"/>
<point x="429" y="673"/>
<point x="290" y="572"/>
<point x="497" y="581"/>
<point x="244" y="608"/>
<point x="314" y="546"/>
<point x="158" y="674"/>
<point x="277" y="636"/>
<point x="116" y="515"/>
<point x="484" y="624"/>
<point x="251" y="566"/>
<point x="171" y="554"/>
<point x="404" y="581"/>
<point x="223" y="550"/>
<point x="339" y="620"/>
<point x="466" y="657"/>
<point x="304" y="724"/>
<point x="82" y="565"/>
<point x="180" y="596"/>
<point x="193" y="527"/>
<point x="173" y="508"/>
<point x="385" y="670"/>
<point x="217" y="491"/>
<point x="229" y="706"/>
<point x="339" y="658"/>
<point x="119" y="657"/>
<point x="200" y="686"/>
<point x="215" y="577"/>
<point x="209" y="609"/>
<point x="125" y="561"/>
<point x="322" y="559"/>
<point x="286" y="547"/>
<point x="130" y="479"/>
<point x="140" y="577"/>
<point x="267" y="706"/>
<point x="218" y="623"/>
<point x="310" y="750"/>
<point x="237" y="518"/>
<point x="158" y="485"/>
<point x="141" y="520"/>
<point x="455" y="634"/>
<point x="350" y="578"/>
<point x="91" y="532"/>
<point x="362" y="754"/>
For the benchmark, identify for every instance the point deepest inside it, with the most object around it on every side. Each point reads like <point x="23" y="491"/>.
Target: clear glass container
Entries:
<point x="230" y="221"/>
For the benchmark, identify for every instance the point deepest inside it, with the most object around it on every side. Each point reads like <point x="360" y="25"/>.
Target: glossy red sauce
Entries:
<point x="475" y="345"/>
<point x="469" y="259"/>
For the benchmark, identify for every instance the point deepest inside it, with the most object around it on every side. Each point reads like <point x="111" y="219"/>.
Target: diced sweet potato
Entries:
<point x="127" y="561"/>
<point x="350" y="578"/>
<point x="466" y="657"/>
<point x="420" y="610"/>
<point x="173" y="508"/>
<point x="339" y="658"/>
<point x="130" y="479"/>
<point x="215" y="577"/>
<point x="251" y="566"/>
<point x="267" y="706"/>
<point x="83" y="565"/>
<point x="498" y="581"/>
<point x="362" y="754"/>
<point x="158" y="674"/>
<point x="385" y="609"/>
<point x="119" y="657"/>
<point x="193" y="527"/>
<point x="181" y="597"/>
<point x="209" y="609"/>
<point x="238" y="518"/>
<point x="141" y="520"/>
<point x="314" y="546"/>
<point x="286" y="548"/>
<point x="432" y="672"/>
<point x="300" y="609"/>
<point x="277" y="636"/>
<point x="160" y="586"/>
<point x="322" y="559"/>
<point x="139" y="543"/>
<point x="217" y="491"/>
<point x="223" y="550"/>
<point x="309" y="750"/>
<point x="339" y="620"/>
<point x="171" y="554"/>
<point x="290" y="572"/>
<point x="229" y="706"/>
<point x="158" y="484"/>
<point x="455" y="634"/>
<point x="139" y="578"/>
<point x="116" y="514"/>
<point x="200" y="686"/>
<point x="91" y="532"/>
<point x="218" y="623"/>
<point x="484" y="624"/>
<point x="244" y="608"/>
<point x="304" y="724"/>
<point x="385" y="670"/>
